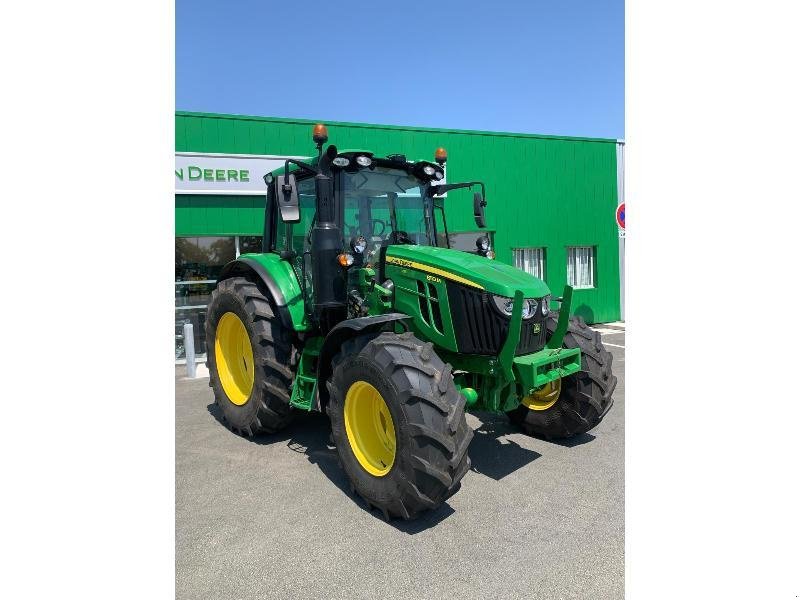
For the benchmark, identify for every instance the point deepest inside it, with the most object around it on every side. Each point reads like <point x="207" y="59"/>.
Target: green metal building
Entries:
<point x="551" y="200"/>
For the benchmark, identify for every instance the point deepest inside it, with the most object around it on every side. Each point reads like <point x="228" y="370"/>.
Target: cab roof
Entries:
<point x="387" y="161"/>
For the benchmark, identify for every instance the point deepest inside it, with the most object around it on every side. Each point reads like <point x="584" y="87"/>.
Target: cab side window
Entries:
<point x="300" y="232"/>
<point x="307" y="196"/>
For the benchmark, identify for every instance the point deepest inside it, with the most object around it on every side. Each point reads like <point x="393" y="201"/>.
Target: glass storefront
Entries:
<point x="198" y="263"/>
<point x="249" y="243"/>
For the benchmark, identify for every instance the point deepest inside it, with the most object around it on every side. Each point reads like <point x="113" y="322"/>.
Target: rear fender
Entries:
<point x="280" y="281"/>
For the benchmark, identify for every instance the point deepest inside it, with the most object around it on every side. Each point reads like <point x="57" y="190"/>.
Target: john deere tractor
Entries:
<point x="356" y="307"/>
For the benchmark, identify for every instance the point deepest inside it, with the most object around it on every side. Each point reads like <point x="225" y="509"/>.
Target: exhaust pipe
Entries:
<point x="330" y="280"/>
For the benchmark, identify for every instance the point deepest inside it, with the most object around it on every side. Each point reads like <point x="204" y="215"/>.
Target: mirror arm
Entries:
<point x="304" y="166"/>
<point x="437" y="190"/>
<point x="286" y="188"/>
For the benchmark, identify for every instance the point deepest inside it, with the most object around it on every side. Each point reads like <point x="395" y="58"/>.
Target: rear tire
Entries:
<point x="431" y="434"/>
<point x="585" y="397"/>
<point x="265" y="408"/>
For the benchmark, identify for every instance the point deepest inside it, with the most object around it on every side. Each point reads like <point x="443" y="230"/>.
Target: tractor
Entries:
<point x="358" y="308"/>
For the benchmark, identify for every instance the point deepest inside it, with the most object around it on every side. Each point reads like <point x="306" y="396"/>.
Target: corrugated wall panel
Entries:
<point x="542" y="191"/>
<point x="197" y="215"/>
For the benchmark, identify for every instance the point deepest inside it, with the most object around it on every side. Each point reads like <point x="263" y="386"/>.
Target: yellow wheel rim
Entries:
<point x="544" y="398"/>
<point x="234" y="357"/>
<point x="370" y="429"/>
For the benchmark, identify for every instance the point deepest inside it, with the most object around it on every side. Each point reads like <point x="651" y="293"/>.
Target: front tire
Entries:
<point x="578" y="402"/>
<point x="398" y="423"/>
<point x="250" y="358"/>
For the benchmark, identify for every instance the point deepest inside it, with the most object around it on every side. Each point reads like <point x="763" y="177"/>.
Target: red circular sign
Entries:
<point x="621" y="216"/>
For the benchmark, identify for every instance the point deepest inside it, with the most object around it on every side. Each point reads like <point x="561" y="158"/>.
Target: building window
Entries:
<point x="198" y="263"/>
<point x="580" y="267"/>
<point x="530" y="260"/>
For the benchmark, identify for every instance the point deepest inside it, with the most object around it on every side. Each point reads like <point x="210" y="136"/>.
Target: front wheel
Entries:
<point x="398" y="423"/>
<point x="577" y="403"/>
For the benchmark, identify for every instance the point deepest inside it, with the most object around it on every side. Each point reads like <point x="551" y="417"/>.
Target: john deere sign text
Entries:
<point x="197" y="173"/>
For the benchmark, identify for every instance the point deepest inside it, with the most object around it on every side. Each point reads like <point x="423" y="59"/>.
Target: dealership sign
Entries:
<point x="200" y="173"/>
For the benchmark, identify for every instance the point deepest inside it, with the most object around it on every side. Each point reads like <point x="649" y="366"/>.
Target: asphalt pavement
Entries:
<point x="272" y="516"/>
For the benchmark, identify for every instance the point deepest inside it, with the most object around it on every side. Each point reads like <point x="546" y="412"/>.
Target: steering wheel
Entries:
<point x="402" y="237"/>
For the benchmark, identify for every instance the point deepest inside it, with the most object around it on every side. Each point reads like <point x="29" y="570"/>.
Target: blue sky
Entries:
<point x="553" y="67"/>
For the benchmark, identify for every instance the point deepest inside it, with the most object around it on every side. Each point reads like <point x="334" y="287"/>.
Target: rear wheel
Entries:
<point x="576" y="403"/>
<point x="398" y="423"/>
<point x="250" y="358"/>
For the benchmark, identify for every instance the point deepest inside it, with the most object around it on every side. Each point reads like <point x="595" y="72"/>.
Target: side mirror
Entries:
<point x="477" y="210"/>
<point x="288" y="200"/>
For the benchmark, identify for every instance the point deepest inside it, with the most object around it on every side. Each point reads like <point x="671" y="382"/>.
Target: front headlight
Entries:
<point x="545" y="305"/>
<point x="528" y="308"/>
<point x="483" y="243"/>
<point x="358" y="244"/>
<point x="506" y="306"/>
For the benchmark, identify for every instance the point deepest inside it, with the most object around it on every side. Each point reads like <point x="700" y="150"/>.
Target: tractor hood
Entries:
<point x="468" y="269"/>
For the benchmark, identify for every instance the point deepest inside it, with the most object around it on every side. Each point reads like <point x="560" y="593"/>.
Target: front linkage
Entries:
<point x="498" y="385"/>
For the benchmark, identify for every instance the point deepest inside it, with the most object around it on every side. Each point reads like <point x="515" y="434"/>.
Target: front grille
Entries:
<point x="481" y="329"/>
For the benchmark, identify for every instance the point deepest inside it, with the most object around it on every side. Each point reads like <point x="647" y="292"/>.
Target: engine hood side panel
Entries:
<point x="468" y="269"/>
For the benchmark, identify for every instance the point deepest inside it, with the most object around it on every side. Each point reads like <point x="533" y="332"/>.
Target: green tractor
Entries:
<point x="355" y="310"/>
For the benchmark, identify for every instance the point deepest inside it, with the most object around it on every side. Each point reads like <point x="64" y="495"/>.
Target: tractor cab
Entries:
<point x="334" y="218"/>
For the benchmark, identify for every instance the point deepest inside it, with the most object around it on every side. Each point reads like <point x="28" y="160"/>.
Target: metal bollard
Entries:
<point x="188" y="344"/>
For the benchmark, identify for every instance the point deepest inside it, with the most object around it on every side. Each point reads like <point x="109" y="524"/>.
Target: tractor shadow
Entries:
<point x="492" y="453"/>
<point x="578" y="440"/>
<point x="496" y="455"/>
<point x="310" y="434"/>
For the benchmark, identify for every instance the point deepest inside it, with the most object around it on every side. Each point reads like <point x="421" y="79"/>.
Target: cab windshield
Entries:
<point x="386" y="206"/>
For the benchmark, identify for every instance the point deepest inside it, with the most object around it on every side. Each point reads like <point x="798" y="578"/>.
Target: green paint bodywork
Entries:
<point x="495" y="277"/>
<point x="469" y="394"/>
<point x="304" y="386"/>
<point x="506" y="358"/>
<point x="284" y="276"/>
<point x="494" y="384"/>
<point x="536" y="370"/>
<point x="377" y="299"/>
<point x="563" y="320"/>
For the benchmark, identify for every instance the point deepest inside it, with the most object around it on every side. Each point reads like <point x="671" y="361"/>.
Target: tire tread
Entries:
<point x="436" y="422"/>
<point x="273" y="350"/>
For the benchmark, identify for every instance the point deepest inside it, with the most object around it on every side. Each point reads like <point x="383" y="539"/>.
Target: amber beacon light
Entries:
<point x="320" y="133"/>
<point x="440" y="155"/>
